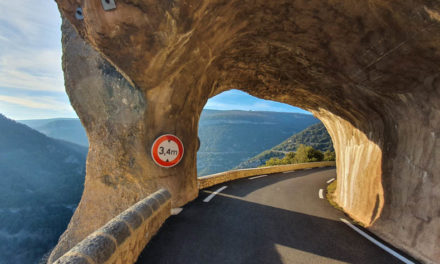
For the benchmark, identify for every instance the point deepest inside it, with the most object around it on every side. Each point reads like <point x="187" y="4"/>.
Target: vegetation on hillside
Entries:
<point x="230" y="137"/>
<point x="315" y="136"/>
<point x="41" y="181"/>
<point x="302" y="155"/>
<point x="260" y="159"/>
<point x="329" y="155"/>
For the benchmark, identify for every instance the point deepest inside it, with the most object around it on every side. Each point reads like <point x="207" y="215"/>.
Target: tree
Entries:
<point x="314" y="155"/>
<point x="329" y="155"/>
<point x="302" y="155"/>
<point x="307" y="154"/>
<point x="289" y="158"/>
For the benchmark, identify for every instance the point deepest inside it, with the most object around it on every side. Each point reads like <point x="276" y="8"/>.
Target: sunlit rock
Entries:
<point x="368" y="69"/>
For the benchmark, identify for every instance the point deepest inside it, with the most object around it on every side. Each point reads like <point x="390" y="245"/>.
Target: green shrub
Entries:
<point x="302" y="155"/>
<point x="329" y="155"/>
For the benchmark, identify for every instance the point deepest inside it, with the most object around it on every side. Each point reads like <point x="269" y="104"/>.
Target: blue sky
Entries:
<point x="31" y="78"/>
<point x="238" y="100"/>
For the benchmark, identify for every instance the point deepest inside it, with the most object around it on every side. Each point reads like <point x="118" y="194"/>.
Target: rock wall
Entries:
<point x="359" y="169"/>
<point x="121" y="123"/>
<point x="368" y="69"/>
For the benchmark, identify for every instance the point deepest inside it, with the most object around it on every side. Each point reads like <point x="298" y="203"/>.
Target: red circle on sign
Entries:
<point x="167" y="151"/>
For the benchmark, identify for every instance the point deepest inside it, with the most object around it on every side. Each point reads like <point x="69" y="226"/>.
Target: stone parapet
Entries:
<point x="123" y="238"/>
<point x="213" y="179"/>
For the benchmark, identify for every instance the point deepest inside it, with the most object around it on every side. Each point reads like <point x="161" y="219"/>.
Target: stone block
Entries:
<point x="98" y="247"/>
<point x="132" y="218"/>
<point x="165" y="193"/>
<point x="153" y="203"/>
<point x="144" y="209"/>
<point x="72" y="259"/>
<point x="117" y="229"/>
<point x="158" y="196"/>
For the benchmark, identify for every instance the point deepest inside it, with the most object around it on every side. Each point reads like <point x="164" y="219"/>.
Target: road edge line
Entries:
<point x="321" y="193"/>
<point x="256" y="177"/>
<point x="377" y="243"/>
<point x="331" y="180"/>
<point x="207" y="199"/>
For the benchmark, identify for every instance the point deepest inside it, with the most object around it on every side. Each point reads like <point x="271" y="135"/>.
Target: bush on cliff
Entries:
<point x="302" y="155"/>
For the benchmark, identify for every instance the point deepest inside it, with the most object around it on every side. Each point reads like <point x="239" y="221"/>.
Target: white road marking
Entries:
<point x="207" y="199"/>
<point x="176" y="211"/>
<point x="288" y="171"/>
<point x="331" y="180"/>
<point x="377" y="243"/>
<point x="321" y="194"/>
<point x="256" y="177"/>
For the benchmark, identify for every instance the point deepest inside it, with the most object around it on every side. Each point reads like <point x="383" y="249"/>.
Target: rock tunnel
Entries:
<point x="369" y="70"/>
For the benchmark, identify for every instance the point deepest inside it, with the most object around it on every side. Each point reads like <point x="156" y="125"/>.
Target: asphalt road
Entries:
<point x="275" y="219"/>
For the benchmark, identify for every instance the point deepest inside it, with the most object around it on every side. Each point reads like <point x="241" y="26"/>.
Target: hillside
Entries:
<point x="68" y="129"/>
<point x="41" y="182"/>
<point x="230" y="137"/>
<point x="315" y="136"/>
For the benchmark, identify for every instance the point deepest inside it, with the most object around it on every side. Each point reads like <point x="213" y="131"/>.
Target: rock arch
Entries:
<point x="368" y="69"/>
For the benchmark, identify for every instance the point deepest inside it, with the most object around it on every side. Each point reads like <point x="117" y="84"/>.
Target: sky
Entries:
<point x="238" y="100"/>
<point x="31" y="78"/>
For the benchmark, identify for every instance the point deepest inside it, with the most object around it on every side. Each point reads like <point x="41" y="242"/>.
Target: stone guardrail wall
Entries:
<point x="123" y="238"/>
<point x="213" y="179"/>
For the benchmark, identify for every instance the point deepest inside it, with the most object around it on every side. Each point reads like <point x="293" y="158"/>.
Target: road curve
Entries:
<point x="279" y="218"/>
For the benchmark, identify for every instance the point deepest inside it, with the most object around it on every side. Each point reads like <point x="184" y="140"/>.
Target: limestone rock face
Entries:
<point x="368" y="69"/>
<point x="121" y="123"/>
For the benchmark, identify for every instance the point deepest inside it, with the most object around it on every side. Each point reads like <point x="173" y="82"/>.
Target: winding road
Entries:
<point x="279" y="218"/>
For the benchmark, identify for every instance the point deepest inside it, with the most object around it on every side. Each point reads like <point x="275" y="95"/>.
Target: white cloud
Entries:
<point x="30" y="49"/>
<point x="226" y="106"/>
<point x="42" y="102"/>
<point x="31" y="70"/>
<point x="262" y="105"/>
<point x="31" y="78"/>
<point x="29" y="18"/>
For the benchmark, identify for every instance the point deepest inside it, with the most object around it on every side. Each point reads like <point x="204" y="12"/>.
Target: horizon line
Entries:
<point x="47" y="118"/>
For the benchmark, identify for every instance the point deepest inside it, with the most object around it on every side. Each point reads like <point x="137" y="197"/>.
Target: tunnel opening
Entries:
<point x="240" y="131"/>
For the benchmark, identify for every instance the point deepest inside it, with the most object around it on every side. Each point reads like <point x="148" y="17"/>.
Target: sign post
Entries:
<point x="167" y="151"/>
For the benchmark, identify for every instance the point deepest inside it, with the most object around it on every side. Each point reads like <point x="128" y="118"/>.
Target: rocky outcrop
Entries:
<point x="119" y="169"/>
<point x="368" y="69"/>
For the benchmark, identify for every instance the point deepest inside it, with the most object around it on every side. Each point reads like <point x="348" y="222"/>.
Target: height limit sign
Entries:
<point x="167" y="151"/>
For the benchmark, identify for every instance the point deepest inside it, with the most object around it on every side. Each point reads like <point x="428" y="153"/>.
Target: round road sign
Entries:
<point x="167" y="151"/>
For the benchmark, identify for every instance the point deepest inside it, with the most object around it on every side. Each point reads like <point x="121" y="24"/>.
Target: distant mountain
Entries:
<point x="69" y="129"/>
<point x="230" y="137"/>
<point x="227" y="137"/>
<point x="41" y="182"/>
<point x="315" y="136"/>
